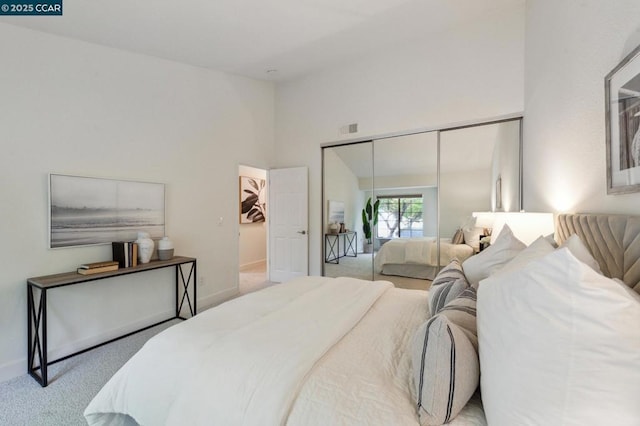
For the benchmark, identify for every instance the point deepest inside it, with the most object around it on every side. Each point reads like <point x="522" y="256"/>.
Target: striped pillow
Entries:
<point x="446" y="369"/>
<point x="458" y="237"/>
<point x="462" y="312"/>
<point x="446" y="286"/>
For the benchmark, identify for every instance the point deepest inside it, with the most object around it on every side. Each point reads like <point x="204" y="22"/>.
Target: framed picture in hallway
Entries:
<point x="622" y="101"/>
<point x="252" y="200"/>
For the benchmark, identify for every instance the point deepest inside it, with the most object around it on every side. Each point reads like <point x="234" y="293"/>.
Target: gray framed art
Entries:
<point x="88" y="211"/>
<point x="336" y="211"/>
<point x="622" y="104"/>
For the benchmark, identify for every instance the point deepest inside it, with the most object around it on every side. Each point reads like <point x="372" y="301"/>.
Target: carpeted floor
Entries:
<point x="253" y="278"/>
<point x="74" y="382"/>
<point x="362" y="267"/>
<point x="72" y="385"/>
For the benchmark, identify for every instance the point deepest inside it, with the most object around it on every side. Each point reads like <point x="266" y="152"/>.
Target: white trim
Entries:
<point x="217" y="298"/>
<point x="442" y="128"/>
<point x="252" y="265"/>
<point x="13" y="369"/>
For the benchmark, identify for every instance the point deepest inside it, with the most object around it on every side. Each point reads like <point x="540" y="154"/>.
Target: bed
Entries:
<point x="289" y="354"/>
<point x="416" y="257"/>
<point x="342" y="351"/>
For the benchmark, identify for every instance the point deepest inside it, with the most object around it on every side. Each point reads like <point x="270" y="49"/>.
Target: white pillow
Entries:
<point x="483" y="264"/>
<point x="579" y="250"/>
<point x="559" y="344"/>
<point x="472" y="236"/>
<point x="537" y="249"/>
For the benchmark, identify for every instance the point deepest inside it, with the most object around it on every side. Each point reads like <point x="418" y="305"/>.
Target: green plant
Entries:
<point x="369" y="218"/>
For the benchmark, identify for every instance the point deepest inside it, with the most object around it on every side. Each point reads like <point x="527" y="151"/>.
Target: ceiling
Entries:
<point x="264" y="39"/>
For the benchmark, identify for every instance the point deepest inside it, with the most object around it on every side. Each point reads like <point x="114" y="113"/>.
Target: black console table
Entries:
<point x="37" y="306"/>
<point x="332" y="253"/>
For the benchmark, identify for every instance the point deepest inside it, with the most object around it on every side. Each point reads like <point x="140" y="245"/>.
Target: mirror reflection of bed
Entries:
<point x="479" y="170"/>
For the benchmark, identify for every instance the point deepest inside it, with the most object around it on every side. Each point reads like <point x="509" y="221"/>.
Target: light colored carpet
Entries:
<point x="74" y="382"/>
<point x="72" y="385"/>
<point x="362" y="267"/>
<point x="253" y="279"/>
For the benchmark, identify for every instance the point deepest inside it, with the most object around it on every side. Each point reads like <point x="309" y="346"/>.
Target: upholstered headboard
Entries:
<point x="614" y="241"/>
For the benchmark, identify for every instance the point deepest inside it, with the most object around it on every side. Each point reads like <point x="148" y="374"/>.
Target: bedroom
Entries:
<point x="118" y="114"/>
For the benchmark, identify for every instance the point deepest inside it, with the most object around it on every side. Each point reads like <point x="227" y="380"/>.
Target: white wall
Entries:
<point x="340" y="184"/>
<point x="253" y="236"/>
<point x="462" y="193"/>
<point x="77" y="108"/>
<point x="471" y="72"/>
<point x="571" y="45"/>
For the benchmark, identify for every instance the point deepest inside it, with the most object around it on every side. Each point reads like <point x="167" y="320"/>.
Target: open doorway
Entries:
<point x="252" y="231"/>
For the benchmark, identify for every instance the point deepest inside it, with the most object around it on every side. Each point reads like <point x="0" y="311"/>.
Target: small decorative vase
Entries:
<point x="333" y="228"/>
<point x="165" y="249"/>
<point x="145" y="247"/>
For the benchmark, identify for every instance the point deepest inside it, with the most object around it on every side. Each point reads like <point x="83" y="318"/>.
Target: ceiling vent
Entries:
<point x="349" y="128"/>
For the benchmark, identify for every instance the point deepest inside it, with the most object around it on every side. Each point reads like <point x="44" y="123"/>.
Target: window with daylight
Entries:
<point x="400" y="216"/>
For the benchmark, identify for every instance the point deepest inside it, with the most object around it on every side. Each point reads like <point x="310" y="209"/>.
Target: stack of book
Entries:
<point x="125" y="253"/>
<point x="98" y="267"/>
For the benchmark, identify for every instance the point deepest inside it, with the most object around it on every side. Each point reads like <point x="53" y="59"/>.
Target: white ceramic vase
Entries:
<point x="165" y="249"/>
<point x="145" y="247"/>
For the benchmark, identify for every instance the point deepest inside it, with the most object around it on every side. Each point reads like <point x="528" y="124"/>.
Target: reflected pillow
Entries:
<point x="458" y="237"/>
<point x="472" y="236"/>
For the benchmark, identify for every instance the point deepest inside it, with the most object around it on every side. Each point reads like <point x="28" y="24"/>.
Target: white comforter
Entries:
<point x="258" y="360"/>
<point x="241" y="363"/>
<point x="420" y="251"/>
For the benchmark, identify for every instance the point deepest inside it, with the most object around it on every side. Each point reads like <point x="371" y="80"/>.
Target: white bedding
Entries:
<point x="366" y="378"/>
<point x="419" y="251"/>
<point x="309" y="352"/>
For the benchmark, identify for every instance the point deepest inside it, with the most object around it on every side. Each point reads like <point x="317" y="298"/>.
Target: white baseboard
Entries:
<point x="12" y="369"/>
<point x="217" y="298"/>
<point x="252" y="265"/>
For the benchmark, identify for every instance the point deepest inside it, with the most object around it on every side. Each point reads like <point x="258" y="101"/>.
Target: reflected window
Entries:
<point x="400" y="216"/>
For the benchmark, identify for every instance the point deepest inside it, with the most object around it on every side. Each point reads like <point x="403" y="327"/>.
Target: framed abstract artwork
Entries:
<point x="336" y="211"/>
<point x="622" y="104"/>
<point x="88" y="211"/>
<point x="252" y="200"/>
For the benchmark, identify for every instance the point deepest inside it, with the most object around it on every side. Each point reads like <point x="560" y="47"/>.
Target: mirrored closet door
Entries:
<point x="406" y="188"/>
<point x="479" y="172"/>
<point x="347" y="184"/>
<point x="391" y="206"/>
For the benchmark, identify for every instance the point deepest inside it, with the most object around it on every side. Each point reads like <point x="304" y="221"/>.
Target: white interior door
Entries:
<point x="288" y="221"/>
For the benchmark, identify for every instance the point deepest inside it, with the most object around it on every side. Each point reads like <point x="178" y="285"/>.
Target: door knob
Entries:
<point x="302" y="232"/>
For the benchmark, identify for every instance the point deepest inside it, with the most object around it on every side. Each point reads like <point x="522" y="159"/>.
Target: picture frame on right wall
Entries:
<point x="622" y="104"/>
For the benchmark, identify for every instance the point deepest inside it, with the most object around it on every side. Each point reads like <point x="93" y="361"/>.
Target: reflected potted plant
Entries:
<point x="369" y="221"/>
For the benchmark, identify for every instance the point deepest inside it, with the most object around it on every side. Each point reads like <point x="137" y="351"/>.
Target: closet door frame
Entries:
<point x="438" y="130"/>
